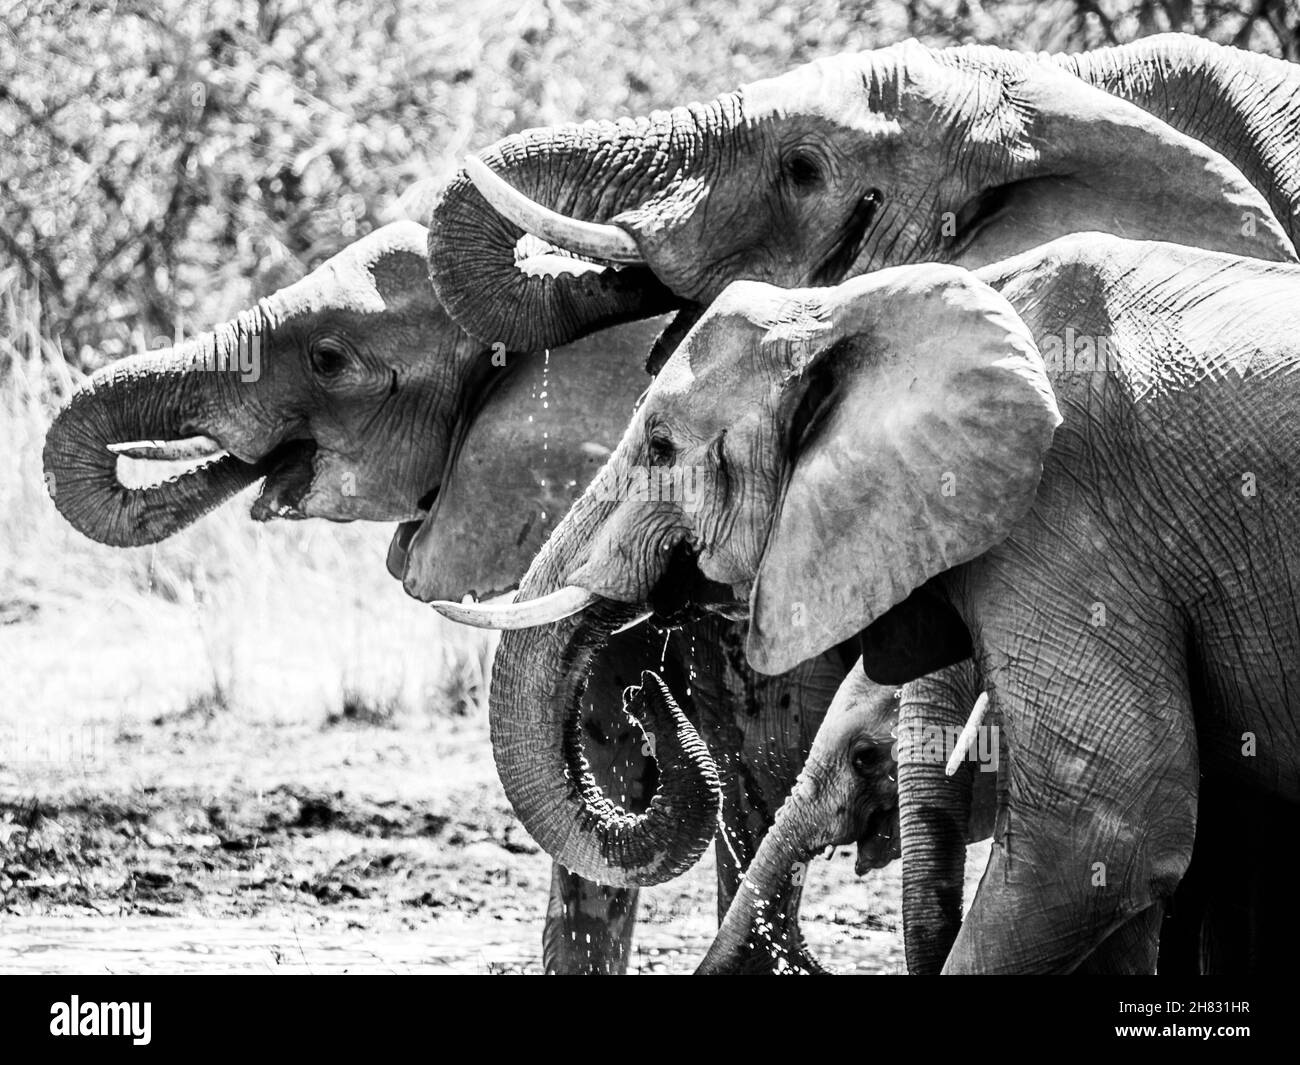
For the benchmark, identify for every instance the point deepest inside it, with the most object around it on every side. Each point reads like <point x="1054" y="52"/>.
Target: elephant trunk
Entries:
<point x="538" y="682"/>
<point x="934" y="815"/>
<point x="1241" y="104"/>
<point x="750" y="936"/>
<point x="156" y="396"/>
<point x="573" y="175"/>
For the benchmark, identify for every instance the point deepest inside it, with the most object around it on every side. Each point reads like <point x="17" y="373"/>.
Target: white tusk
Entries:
<point x="634" y="622"/>
<point x="555" y="266"/>
<point x="591" y="239"/>
<point x="193" y="447"/>
<point x="967" y="736"/>
<point x="553" y="607"/>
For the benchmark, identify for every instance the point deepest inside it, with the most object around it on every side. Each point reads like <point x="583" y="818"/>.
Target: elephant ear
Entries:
<point x="917" y="419"/>
<point x="522" y="458"/>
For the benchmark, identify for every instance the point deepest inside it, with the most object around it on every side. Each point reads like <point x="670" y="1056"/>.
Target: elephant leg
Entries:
<point x="588" y="928"/>
<point x="1101" y="810"/>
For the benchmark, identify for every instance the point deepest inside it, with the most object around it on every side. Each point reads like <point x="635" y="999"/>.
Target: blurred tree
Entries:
<point x="166" y="162"/>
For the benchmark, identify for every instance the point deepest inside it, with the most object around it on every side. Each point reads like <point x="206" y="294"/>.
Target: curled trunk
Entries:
<point x="146" y="397"/>
<point x="538" y="681"/>
<point x="590" y="172"/>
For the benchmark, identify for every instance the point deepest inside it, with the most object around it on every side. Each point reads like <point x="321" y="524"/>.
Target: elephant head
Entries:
<point x="312" y="389"/>
<point x="355" y="396"/>
<point x="847" y="165"/>
<point x="809" y="459"/>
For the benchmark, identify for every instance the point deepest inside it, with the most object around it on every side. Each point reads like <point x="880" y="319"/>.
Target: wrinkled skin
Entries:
<point x="852" y="789"/>
<point x="897" y="155"/>
<point x="478" y="453"/>
<point x="1228" y="916"/>
<point x="895" y="459"/>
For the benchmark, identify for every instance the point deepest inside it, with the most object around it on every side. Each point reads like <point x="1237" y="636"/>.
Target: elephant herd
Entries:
<point x="961" y="499"/>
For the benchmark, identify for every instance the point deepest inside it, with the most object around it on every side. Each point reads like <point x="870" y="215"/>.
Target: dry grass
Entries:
<point x="287" y="620"/>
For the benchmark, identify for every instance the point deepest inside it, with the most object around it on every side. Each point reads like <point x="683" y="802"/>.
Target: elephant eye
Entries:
<point x="863" y="760"/>
<point x="329" y="358"/>
<point x="662" y="451"/>
<point x="804" y="171"/>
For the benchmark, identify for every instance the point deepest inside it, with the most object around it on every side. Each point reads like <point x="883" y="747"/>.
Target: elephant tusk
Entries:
<point x="967" y="736"/>
<point x="526" y="615"/>
<point x="193" y="447"/>
<point x="556" y="266"/>
<point x="590" y="239"/>
<point x="644" y="616"/>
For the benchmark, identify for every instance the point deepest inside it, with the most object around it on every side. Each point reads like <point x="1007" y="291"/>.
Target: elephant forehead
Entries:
<point x="382" y="269"/>
<point x="841" y="90"/>
<point x="339" y="284"/>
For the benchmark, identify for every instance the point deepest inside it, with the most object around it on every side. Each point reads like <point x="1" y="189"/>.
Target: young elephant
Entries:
<point x="847" y="793"/>
<point x="1012" y="464"/>
<point x="353" y="395"/>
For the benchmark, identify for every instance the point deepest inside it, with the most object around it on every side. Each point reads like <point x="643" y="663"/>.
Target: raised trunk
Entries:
<point x="537" y="686"/>
<point x="590" y="172"/>
<point x="1243" y="105"/>
<point x="934" y="816"/>
<point x="146" y="397"/>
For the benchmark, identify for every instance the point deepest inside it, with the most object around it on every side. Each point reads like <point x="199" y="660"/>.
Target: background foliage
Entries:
<point x="165" y="162"/>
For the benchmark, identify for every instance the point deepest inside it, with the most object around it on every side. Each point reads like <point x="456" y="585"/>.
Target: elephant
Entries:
<point x="898" y="155"/>
<point x="847" y="792"/>
<point x="1074" y="467"/>
<point x="354" y="396"/>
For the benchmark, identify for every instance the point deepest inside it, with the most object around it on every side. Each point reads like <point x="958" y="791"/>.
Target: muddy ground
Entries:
<point x="345" y="846"/>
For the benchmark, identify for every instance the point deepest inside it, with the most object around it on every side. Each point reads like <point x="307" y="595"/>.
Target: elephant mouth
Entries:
<point x="878" y="845"/>
<point x="399" y="548"/>
<point x="683" y="594"/>
<point x="290" y="471"/>
<point x="680" y="595"/>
